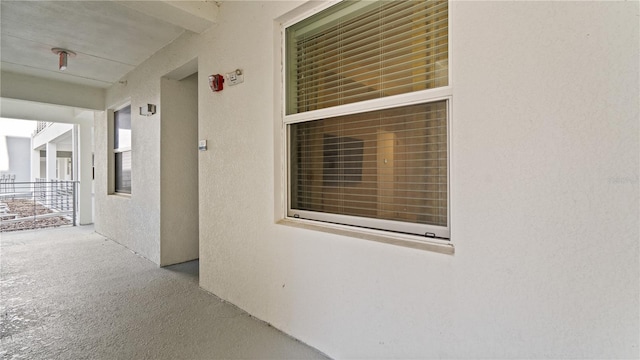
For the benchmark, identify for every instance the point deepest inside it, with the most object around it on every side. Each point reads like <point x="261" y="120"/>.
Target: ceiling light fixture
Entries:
<point x="63" y="55"/>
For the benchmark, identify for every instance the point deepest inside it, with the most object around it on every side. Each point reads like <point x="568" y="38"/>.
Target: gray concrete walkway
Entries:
<point x="69" y="293"/>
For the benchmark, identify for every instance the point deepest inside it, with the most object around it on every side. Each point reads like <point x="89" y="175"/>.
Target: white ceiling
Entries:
<point x="110" y="37"/>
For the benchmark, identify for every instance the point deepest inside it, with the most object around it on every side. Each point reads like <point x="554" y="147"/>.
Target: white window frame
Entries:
<point x="396" y="229"/>
<point x="113" y="151"/>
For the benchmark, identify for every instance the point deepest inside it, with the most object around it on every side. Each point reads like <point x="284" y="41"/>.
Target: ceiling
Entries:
<point x="110" y="38"/>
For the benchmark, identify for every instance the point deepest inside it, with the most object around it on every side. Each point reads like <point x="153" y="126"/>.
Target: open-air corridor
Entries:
<point x="69" y="293"/>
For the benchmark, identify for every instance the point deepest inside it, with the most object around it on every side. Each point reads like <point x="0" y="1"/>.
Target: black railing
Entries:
<point x="39" y="204"/>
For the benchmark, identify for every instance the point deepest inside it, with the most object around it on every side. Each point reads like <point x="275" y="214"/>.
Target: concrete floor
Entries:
<point x="69" y="293"/>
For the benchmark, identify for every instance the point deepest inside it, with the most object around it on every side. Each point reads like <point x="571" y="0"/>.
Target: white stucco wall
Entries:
<point x="544" y="193"/>
<point x="134" y="221"/>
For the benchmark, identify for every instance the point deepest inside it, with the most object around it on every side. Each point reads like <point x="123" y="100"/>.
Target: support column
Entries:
<point x="52" y="154"/>
<point x="75" y="152"/>
<point x="35" y="163"/>
<point x="85" y="171"/>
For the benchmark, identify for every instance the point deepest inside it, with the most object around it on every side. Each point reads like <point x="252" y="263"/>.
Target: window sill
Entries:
<point x="121" y="195"/>
<point x="409" y="241"/>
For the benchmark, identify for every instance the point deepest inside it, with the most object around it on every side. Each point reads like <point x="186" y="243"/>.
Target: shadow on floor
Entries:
<point x="189" y="268"/>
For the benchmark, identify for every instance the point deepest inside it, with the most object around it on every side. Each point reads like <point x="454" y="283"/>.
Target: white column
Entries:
<point x="75" y="152"/>
<point x="35" y="163"/>
<point x="52" y="153"/>
<point x="85" y="170"/>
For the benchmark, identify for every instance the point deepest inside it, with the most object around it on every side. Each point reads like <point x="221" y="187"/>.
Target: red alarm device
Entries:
<point x="215" y="82"/>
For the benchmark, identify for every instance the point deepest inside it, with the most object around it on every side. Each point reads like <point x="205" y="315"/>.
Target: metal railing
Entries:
<point x="39" y="204"/>
<point x="41" y="125"/>
<point x="7" y="182"/>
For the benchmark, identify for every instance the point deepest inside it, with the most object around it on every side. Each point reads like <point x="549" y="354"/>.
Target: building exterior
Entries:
<point x="58" y="152"/>
<point x="540" y="258"/>
<point x="52" y="152"/>
<point x="17" y="154"/>
<point x="14" y="149"/>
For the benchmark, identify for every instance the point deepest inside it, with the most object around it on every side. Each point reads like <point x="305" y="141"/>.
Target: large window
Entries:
<point x="122" y="149"/>
<point x="367" y="113"/>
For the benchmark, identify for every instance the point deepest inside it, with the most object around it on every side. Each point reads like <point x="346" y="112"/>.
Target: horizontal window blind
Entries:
<point x="357" y="51"/>
<point x="122" y="150"/>
<point x="122" y="127"/>
<point x="123" y="172"/>
<point x="387" y="164"/>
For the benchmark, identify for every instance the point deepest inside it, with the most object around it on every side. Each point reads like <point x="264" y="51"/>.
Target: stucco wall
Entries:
<point x="133" y="221"/>
<point x="544" y="193"/>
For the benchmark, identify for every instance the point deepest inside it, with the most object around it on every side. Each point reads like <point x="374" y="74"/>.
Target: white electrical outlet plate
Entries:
<point x="202" y="145"/>
<point x="235" y="77"/>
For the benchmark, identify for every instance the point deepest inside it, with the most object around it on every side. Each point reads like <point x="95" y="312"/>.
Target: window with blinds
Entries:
<point x="383" y="165"/>
<point x="122" y="149"/>
<point x="365" y="50"/>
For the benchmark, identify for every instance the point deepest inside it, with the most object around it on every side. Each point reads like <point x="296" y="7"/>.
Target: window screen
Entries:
<point x="365" y="50"/>
<point x="123" y="171"/>
<point x="383" y="162"/>
<point x="122" y="125"/>
<point x="389" y="164"/>
<point x="122" y="149"/>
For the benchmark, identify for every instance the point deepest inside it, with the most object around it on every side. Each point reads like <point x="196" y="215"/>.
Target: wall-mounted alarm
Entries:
<point x="216" y="82"/>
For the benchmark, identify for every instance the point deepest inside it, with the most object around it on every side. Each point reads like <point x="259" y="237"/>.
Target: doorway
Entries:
<point x="179" y="223"/>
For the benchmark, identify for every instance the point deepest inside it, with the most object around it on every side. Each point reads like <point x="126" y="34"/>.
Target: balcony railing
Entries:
<point x="41" y="125"/>
<point x="39" y="204"/>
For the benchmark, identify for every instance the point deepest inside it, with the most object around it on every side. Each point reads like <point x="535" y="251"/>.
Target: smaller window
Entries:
<point x="122" y="149"/>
